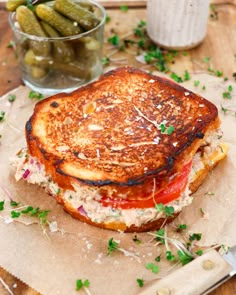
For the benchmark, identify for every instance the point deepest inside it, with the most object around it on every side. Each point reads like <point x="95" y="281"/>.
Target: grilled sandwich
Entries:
<point x="125" y="152"/>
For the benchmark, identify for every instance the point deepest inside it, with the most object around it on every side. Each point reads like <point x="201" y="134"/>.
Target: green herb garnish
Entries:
<point x="34" y="94"/>
<point x="11" y="97"/>
<point x="154" y="268"/>
<point x="2" y="205"/>
<point x="124" y="8"/>
<point x="170" y="256"/>
<point x="82" y="284"/>
<point x="2" y="116"/>
<point x="140" y="282"/>
<point x="184" y="257"/>
<point x="114" y="40"/>
<point x="112" y="246"/>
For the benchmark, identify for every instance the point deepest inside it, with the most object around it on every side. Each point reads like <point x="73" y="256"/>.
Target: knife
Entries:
<point x="199" y="277"/>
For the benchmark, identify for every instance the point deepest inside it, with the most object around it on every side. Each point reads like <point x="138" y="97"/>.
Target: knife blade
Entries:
<point x="199" y="277"/>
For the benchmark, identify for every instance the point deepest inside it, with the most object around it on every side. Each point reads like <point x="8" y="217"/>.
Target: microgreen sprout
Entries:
<point x="35" y="95"/>
<point x="83" y="285"/>
<point x="124" y="8"/>
<point x="168" y="210"/>
<point x="11" y="97"/>
<point x="140" y="282"/>
<point x="2" y="203"/>
<point x="153" y="267"/>
<point x="112" y="246"/>
<point x="2" y="116"/>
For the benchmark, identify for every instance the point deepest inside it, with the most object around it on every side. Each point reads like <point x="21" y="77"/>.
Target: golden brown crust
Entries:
<point x="121" y="115"/>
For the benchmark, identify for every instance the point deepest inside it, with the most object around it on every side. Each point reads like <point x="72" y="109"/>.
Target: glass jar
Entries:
<point x="51" y="65"/>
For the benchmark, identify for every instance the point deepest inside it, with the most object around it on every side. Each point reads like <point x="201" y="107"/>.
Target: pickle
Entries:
<point x="38" y="73"/>
<point x="62" y="51"/>
<point x="86" y="19"/>
<point x="57" y="21"/>
<point x="30" y="25"/>
<point x="74" y="69"/>
<point x="11" y="5"/>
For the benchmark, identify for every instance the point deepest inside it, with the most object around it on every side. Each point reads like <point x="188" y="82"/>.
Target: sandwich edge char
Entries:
<point x="115" y="174"/>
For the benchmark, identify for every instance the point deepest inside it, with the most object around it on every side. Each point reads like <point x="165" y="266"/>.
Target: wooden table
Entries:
<point x="219" y="45"/>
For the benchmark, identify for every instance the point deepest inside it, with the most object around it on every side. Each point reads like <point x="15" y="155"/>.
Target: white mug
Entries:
<point x="177" y="24"/>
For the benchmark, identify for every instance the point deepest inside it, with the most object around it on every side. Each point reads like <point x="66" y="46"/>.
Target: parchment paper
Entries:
<point x="51" y="262"/>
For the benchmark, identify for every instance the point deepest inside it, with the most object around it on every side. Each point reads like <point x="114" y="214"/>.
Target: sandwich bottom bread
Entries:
<point x="125" y="152"/>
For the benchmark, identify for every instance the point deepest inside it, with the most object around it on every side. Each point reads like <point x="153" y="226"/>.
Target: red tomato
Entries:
<point x="168" y="194"/>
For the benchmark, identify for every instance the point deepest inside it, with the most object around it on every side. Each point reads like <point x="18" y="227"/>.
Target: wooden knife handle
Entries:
<point x="193" y="278"/>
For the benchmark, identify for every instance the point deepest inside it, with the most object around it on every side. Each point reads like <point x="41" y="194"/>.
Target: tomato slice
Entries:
<point x="170" y="193"/>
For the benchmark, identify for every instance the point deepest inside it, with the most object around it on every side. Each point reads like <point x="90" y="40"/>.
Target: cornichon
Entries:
<point x="11" y="5"/>
<point x="38" y="73"/>
<point x="30" y="25"/>
<point x="62" y="51"/>
<point x="57" y="21"/>
<point x="74" y="69"/>
<point x="86" y="19"/>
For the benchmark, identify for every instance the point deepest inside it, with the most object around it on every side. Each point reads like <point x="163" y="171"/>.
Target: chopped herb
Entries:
<point x="30" y="5"/>
<point x="11" y="44"/>
<point x="105" y="61"/>
<point x="136" y="240"/>
<point x="34" y="94"/>
<point x="206" y="59"/>
<point x="140" y="282"/>
<point x="160" y="235"/>
<point x="170" y="256"/>
<point x="11" y="97"/>
<point x="184" y="257"/>
<point x="156" y="56"/>
<point x="181" y="227"/>
<point x="112" y="246"/>
<point x="124" y="8"/>
<point x="2" y="205"/>
<point x="170" y="130"/>
<point x="203" y="87"/>
<point x="199" y="252"/>
<point x="219" y="73"/>
<point x="196" y="83"/>
<point x="227" y="95"/>
<point x="27" y="210"/>
<point x="168" y="210"/>
<point x="154" y="268"/>
<point x="114" y="40"/>
<point x="214" y="12"/>
<point x="158" y="258"/>
<point x="14" y="203"/>
<point x="195" y="236"/>
<point x="176" y="78"/>
<point x="42" y="215"/>
<point x="15" y="214"/>
<point x="230" y="88"/>
<point x="108" y="19"/>
<point x="186" y="75"/>
<point x="2" y="116"/>
<point x="82" y="284"/>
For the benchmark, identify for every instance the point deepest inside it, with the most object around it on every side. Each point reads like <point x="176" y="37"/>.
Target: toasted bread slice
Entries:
<point x="120" y="130"/>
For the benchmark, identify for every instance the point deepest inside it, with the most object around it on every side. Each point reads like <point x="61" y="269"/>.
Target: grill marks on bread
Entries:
<point x="108" y="131"/>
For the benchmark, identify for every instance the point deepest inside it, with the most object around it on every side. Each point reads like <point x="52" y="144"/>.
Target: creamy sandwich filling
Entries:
<point x="85" y="199"/>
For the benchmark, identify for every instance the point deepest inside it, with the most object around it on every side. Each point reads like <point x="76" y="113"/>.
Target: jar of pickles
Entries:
<point x="58" y="43"/>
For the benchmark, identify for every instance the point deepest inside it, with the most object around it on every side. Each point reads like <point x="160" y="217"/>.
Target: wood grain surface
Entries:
<point x="219" y="45"/>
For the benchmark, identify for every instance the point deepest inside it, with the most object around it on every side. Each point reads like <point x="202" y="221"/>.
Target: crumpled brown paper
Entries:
<point x="52" y="261"/>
